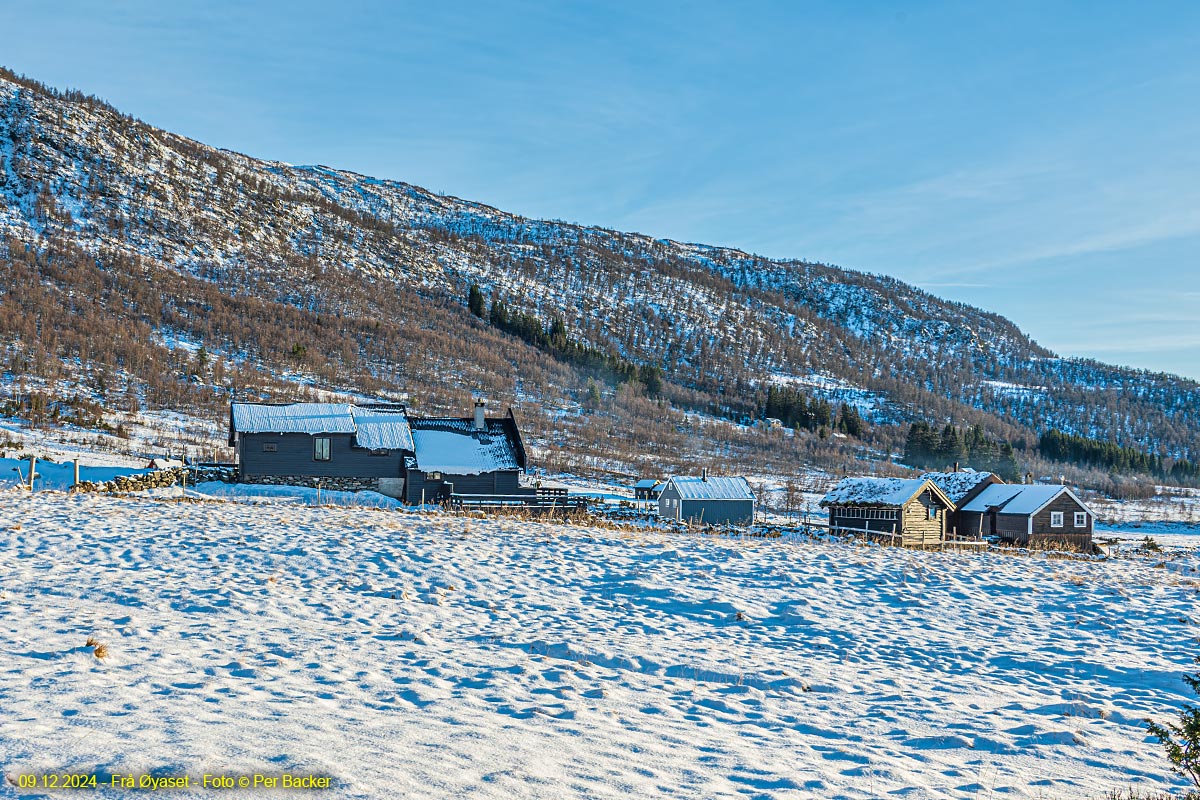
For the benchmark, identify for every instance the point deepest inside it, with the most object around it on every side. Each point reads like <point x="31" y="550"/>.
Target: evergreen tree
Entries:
<point x="475" y="302"/>
<point x="850" y="422"/>
<point x="1182" y="741"/>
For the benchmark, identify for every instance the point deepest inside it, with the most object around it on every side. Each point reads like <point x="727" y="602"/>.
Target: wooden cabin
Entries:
<point x="334" y="445"/>
<point x="705" y="500"/>
<point x="1031" y="515"/>
<point x="961" y="487"/>
<point x="379" y="447"/>
<point x="647" y="489"/>
<point x="909" y="512"/>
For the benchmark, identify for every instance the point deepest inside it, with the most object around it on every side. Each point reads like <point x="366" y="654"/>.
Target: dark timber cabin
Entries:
<point x="379" y="447"/>
<point x="961" y="487"/>
<point x="647" y="489"/>
<point x="908" y="512"/>
<point x="1031" y="515"/>
<point x="334" y="445"/>
<point x="707" y="500"/>
<point x="478" y="455"/>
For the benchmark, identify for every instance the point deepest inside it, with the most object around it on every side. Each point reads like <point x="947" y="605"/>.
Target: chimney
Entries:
<point x="480" y="407"/>
<point x="704" y="474"/>
<point x="956" y="466"/>
<point x="1028" y="477"/>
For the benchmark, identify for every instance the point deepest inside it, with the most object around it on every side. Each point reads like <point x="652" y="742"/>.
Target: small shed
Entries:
<point x="910" y="512"/>
<point x="705" y="500"/>
<point x="647" y="489"/>
<point x="1031" y="515"/>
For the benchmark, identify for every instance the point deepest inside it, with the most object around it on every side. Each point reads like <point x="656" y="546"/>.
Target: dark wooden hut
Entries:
<point x="909" y="512"/>
<point x="1031" y="515"/>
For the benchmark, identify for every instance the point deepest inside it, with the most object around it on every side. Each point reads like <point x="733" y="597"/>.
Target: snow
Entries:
<point x="711" y="488"/>
<point x="873" y="491"/>
<point x="433" y="656"/>
<point x="460" y="452"/>
<point x="293" y="418"/>
<point x="957" y="485"/>
<point x="382" y="430"/>
<point x="1018" y="498"/>
<point x="374" y="429"/>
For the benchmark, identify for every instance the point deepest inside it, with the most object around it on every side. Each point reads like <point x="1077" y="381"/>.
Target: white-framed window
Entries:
<point x="1080" y="519"/>
<point x="933" y="512"/>
<point x="1056" y="519"/>
<point x="321" y="449"/>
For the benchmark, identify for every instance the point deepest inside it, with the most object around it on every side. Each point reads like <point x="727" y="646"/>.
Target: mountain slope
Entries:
<point x="338" y="279"/>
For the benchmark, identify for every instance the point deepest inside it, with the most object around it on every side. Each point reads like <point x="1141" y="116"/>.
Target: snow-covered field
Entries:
<point x="429" y="656"/>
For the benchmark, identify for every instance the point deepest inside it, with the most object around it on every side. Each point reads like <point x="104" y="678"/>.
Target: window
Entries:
<point x="933" y="512"/>
<point x="433" y="476"/>
<point x="270" y="447"/>
<point x="1056" y="519"/>
<point x="321" y="448"/>
<point x="378" y="452"/>
<point x="1080" y="519"/>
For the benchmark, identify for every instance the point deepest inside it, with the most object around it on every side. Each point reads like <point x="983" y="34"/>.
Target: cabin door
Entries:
<point x="992" y="523"/>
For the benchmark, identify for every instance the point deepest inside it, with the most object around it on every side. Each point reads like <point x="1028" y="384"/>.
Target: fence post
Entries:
<point x="32" y="470"/>
<point x="75" y="483"/>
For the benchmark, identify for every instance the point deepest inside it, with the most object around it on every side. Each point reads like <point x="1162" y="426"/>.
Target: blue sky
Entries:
<point x="1039" y="160"/>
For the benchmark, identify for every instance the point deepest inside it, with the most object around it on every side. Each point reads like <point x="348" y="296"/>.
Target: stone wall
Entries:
<point x="331" y="484"/>
<point x="159" y="479"/>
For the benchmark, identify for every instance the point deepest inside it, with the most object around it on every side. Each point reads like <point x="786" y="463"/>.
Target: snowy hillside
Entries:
<point x="121" y="239"/>
<point x="406" y="655"/>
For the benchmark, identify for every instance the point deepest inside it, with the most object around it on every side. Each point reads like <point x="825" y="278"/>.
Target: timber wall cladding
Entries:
<point x="293" y="455"/>
<point x="916" y="525"/>
<point x="1065" y="504"/>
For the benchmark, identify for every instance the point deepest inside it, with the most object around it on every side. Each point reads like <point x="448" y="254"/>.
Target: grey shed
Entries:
<point x="706" y="500"/>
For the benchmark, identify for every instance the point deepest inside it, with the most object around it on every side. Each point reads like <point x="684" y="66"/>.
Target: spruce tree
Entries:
<point x="475" y="302"/>
<point x="1182" y="741"/>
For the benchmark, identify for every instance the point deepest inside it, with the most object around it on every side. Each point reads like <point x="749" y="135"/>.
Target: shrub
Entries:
<point x="1182" y="741"/>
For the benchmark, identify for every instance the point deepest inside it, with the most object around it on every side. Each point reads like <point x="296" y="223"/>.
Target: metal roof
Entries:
<point x="1019" y="498"/>
<point x="382" y="430"/>
<point x="293" y="418"/>
<point x="712" y="488"/>
<point x="647" y="483"/>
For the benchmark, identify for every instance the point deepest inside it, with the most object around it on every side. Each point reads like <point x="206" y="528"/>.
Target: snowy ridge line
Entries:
<point x="269" y="227"/>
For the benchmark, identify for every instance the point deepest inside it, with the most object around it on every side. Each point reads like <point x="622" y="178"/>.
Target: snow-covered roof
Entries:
<point x="712" y="488"/>
<point x="876" y="491"/>
<point x="647" y="483"/>
<point x="957" y="485"/>
<point x="374" y="429"/>
<point x="382" y="430"/>
<point x="293" y="418"/>
<point x="1019" y="498"/>
<point x="453" y="446"/>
